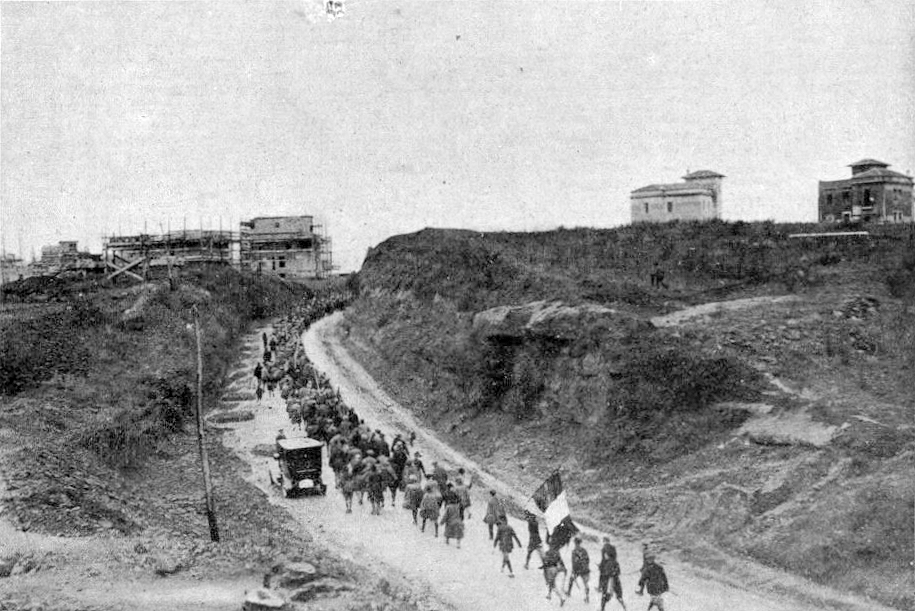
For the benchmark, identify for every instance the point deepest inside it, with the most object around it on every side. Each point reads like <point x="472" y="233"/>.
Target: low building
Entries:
<point x="13" y="268"/>
<point x="872" y="194"/>
<point x="697" y="198"/>
<point x="288" y="246"/>
<point x="65" y="255"/>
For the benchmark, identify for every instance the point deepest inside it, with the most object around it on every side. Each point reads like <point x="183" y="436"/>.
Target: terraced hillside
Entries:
<point x="758" y="403"/>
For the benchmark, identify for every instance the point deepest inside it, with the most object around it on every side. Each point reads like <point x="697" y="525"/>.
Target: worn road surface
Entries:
<point x="469" y="578"/>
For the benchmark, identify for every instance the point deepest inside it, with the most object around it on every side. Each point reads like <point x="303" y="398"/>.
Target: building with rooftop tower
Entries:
<point x="872" y="194"/>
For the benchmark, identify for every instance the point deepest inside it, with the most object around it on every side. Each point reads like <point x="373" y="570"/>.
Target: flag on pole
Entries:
<point x="550" y="498"/>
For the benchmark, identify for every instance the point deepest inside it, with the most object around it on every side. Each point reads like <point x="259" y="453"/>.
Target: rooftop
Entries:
<point x="299" y="443"/>
<point x="702" y="174"/>
<point x="868" y="162"/>
<point x="879" y="173"/>
<point x="677" y="187"/>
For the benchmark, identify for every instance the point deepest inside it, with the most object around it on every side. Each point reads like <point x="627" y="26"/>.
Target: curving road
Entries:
<point x="469" y="578"/>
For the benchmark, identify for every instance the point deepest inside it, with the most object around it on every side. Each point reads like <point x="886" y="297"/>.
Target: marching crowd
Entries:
<point x="366" y="464"/>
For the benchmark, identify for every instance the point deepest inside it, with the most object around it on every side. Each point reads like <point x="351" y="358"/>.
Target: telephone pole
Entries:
<point x="204" y="461"/>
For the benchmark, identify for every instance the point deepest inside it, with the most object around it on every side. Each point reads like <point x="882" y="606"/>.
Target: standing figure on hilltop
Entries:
<point x="657" y="276"/>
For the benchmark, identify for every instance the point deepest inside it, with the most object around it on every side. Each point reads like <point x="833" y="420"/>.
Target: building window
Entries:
<point x="829" y="200"/>
<point x="276" y="225"/>
<point x="670" y="206"/>
<point x="646" y="207"/>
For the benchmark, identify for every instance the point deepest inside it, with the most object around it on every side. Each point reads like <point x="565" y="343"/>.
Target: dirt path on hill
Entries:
<point x="708" y="309"/>
<point x="469" y="578"/>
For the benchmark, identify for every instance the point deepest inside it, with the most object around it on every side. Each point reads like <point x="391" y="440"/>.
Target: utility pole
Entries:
<point x="204" y="461"/>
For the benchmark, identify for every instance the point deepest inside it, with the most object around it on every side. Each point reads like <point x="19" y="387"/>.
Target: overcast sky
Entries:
<point x="403" y="115"/>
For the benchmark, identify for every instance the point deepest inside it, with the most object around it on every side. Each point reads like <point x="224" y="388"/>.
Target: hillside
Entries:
<point x="776" y="424"/>
<point x="101" y="501"/>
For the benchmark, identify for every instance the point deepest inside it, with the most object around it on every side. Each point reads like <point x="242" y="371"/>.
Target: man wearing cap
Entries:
<point x="580" y="567"/>
<point x="655" y="580"/>
<point x="495" y="512"/>
<point x="609" y="579"/>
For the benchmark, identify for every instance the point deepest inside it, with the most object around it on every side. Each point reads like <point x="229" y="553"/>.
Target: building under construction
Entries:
<point x="287" y="246"/>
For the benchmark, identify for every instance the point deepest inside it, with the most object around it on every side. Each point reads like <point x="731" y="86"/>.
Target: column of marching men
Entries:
<point x="366" y="465"/>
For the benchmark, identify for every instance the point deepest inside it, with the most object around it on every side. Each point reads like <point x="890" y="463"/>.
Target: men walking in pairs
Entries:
<point x="506" y="539"/>
<point x="580" y="568"/>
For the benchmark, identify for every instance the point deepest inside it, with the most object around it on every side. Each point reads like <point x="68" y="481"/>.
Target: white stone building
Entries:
<point x="698" y="198"/>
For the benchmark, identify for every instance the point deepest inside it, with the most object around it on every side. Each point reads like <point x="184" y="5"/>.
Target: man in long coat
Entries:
<point x="454" y="523"/>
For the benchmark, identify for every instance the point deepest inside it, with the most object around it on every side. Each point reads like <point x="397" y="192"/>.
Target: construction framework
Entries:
<point x="286" y="246"/>
<point x="135" y="255"/>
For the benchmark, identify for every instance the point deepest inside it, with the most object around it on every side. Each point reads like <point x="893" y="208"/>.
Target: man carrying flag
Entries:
<point x="550" y="498"/>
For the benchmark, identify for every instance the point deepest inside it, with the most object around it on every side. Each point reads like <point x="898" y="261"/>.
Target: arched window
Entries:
<point x="670" y="206"/>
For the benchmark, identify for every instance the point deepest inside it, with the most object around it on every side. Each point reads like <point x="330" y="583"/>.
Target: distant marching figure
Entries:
<point x="258" y="372"/>
<point x="580" y="567"/>
<point x="347" y="482"/>
<point x="495" y="512"/>
<point x="655" y="580"/>
<point x="534" y="543"/>
<point x="552" y="566"/>
<point x="413" y="494"/>
<point x="463" y="492"/>
<point x="609" y="580"/>
<point x="375" y="483"/>
<point x="505" y="539"/>
<point x="429" y="507"/>
<point x="454" y="522"/>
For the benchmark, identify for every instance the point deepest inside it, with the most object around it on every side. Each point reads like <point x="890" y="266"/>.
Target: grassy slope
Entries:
<point x="632" y="412"/>
<point x="93" y="394"/>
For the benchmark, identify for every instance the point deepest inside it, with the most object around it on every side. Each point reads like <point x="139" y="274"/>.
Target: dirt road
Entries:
<point x="466" y="578"/>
